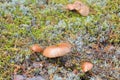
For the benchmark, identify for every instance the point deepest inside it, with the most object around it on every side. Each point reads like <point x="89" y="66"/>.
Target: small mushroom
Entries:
<point x="79" y="7"/>
<point x="70" y="7"/>
<point x="86" y="66"/>
<point x="57" y="50"/>
<point x="84" y="11"/>
<point x="36" y="48"/>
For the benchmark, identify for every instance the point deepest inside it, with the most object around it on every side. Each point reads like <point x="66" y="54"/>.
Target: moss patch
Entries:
<point x="46" y="22"/>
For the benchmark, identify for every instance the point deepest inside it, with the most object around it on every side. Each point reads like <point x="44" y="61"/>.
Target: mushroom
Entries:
<point x="79" y="7"/>
<point x="70" y="7"/>
<point x="86" y="66"/>
<point x="57" y="50"/>
<point x="36" y="48"/>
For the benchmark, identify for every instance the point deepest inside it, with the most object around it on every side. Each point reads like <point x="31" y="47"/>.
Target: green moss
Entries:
<point x="52" y="24"/>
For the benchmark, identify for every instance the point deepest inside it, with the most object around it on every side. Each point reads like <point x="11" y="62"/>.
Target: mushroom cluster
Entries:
<point x="53" y="51"/>
<point x="59" y="50"/>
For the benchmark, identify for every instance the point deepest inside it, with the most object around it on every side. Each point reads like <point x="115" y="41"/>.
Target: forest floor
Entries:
<point x="96" y="38"/>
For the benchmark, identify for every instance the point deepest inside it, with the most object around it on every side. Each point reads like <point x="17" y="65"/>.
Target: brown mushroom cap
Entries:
<point x="86" y="66"/>
<point x="77" y="5"/>
<point x="84" y="11"/>
<point x="70" y="7"/>
<point x="80" y="7"/>
<point x="57" y="50"/>
<point x="36" y="48"/>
